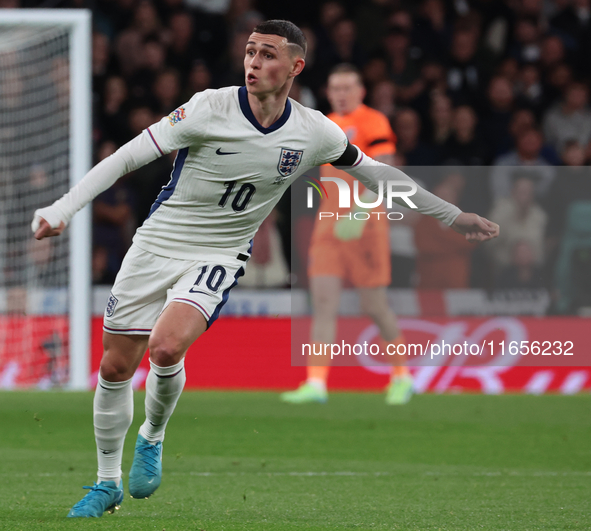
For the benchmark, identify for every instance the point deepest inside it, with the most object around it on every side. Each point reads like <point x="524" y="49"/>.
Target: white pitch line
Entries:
<point x="513" y="473"/>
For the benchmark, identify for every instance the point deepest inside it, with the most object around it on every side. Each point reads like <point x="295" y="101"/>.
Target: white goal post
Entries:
<point x="77" y="23"/>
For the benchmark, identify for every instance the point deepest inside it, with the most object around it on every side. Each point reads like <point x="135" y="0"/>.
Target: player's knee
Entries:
<point x="114" y="369"/>
<point x="165" y="352"/>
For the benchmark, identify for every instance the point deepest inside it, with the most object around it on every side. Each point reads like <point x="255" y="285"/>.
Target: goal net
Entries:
<point x="40" y="340"/>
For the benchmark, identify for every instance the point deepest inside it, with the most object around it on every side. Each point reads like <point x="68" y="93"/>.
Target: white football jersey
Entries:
<point x="230" y="171"/>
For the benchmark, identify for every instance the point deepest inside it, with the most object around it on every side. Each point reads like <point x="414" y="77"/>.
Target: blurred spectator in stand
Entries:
<point x="146" y="20"/>
<point x="431" y="32"/>
<point x="382" y="98"/>
<point x="113" y="115"/>
<point x="523" y="120"/>
<point x="433" y="82"/>
<point x="552" y="54"/>
<point x="509" y="68"/>
<point x="401" y="19"/>
<point x="555" y="84"/>
<point x="210" y="29"/>
<point x="527" y="155"/>
<point x="375" y="71"/>
<point x="407" y="126"/>
<point x="371" y="20"/>
<point x="434" y="76"/>
<point x="101" y="50"/>
<point x="530" y="8"/>
<point x="441" y="123"/>
<point x="495" y="121"/>
<point x="330" y="13"/>
<point x="570" y="119"/>
<point x="551" y="9"/>
<point x="529" y="89"/>
<point x="443" y="256"/>
<point x="522" y="219"/>
<point x="113" y="219"/>
<point x="141" y="118"/>
<point x="573" y="183"/>
<point x="404" y="67"/>
<point x="182" y="47"/>
<point x="129" y="49"/>
<point x="199" y="79"/>
<point x="113" y="16"/>
<point x="574" y="155"/>
<point x="526" y="46"/>
<point x="466" y="72"/>
<point x="583" y="35"/>
<point x="522" y="271"/>
<point x="497" y="21"/>
<point x="465" y="147"/>
<point x="154" y="62"/>
<point x="167" y="92"/>
<point x="242" y="16"/>
<point x="574" y="21"/>
<point x="343" y="46"/>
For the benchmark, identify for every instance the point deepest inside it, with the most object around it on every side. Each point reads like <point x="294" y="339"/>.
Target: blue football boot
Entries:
<point x="146" y="471"/>
<point x="104" y="496"/>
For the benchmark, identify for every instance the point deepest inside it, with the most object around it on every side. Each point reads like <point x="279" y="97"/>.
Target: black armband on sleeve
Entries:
<point x="349" y="156"/>
<point x="378" y="141"/>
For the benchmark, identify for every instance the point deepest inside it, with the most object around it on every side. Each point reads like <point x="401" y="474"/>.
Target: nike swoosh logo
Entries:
<point x="107" y="452"/>
<point x="220" y="152"/>
<point x="198" y="291"/>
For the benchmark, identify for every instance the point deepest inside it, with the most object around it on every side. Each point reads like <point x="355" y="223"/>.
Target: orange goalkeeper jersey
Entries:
<point x="370" y="131"/>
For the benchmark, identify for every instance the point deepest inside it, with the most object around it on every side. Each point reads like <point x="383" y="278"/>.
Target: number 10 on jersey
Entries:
<point x="241" y="198"/>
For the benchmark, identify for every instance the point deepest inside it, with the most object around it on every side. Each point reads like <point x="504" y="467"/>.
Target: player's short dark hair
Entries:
<point x="347" y="68"/>
<point x="283" y="28"/>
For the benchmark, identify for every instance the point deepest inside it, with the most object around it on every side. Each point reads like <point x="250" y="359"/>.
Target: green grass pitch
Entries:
<point x="245" y="461"/>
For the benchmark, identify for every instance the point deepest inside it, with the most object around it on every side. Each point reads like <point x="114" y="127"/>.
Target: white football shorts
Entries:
<point x="147" y="283"/>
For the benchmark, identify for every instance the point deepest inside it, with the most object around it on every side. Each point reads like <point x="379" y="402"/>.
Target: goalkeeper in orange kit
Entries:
<point x="353" y="250"/>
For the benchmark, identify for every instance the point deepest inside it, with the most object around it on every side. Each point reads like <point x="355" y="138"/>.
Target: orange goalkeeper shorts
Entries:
<point x="365" y="263"/>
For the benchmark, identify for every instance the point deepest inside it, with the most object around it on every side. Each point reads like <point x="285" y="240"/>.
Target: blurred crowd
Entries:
<point x="499" y="83"/>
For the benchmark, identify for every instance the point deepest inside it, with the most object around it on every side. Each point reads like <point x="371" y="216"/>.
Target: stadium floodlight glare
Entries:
<point x="45" y="139"/>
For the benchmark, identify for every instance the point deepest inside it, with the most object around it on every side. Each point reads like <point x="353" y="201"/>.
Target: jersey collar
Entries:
<point x="249" y="115"/>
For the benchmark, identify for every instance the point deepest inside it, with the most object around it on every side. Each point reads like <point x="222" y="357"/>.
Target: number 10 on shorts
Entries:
<point x="214" y="279"/>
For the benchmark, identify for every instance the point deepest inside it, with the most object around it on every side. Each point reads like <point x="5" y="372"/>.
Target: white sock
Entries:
<point x="164" y="385"/>
<point x="317" y="383"/>
<point x="113" y="413"/>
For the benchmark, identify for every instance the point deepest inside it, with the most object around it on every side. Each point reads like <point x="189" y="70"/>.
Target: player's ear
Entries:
<point x="297" y="66"/>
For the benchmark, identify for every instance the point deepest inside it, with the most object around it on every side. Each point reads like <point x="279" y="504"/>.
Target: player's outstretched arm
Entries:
<point x="52" y="220"/>
<point x="370" y="172"/>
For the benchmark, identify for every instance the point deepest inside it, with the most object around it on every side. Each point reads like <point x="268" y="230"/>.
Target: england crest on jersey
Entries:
<point x="289" y="160"/>
<point x="111" y="304"/>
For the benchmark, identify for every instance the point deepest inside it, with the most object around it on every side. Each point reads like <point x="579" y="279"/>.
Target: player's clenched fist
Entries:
<point x="475" y="227"/>
<point x="46" y="223"/>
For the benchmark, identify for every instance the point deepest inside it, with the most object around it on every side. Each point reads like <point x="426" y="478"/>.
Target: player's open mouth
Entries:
<point x="251" y="78"/>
